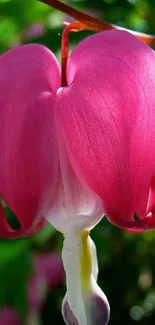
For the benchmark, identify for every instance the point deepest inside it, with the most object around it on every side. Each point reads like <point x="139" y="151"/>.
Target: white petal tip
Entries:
<point x="67" y="314"/>
<point x="99" y="310"/>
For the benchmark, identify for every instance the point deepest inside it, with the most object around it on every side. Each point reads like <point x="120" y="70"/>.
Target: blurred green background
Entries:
<point x="127" y="262"/>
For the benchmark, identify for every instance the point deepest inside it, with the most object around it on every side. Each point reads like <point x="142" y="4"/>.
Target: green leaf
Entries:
<point x="15" y="270"/>
<point x="44" y="235"/>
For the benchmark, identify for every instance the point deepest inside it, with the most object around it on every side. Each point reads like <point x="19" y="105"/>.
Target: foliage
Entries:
<point x="127" y="262"/>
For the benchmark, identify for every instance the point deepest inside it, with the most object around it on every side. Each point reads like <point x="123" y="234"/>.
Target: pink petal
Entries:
<point x="9" y="317"/>
<point x="107" y="118"/>
<point x="29" y="78"/>
<point x="49" y="267"/>
<point x="36" y="294"/>
<point x="49" y="272"/>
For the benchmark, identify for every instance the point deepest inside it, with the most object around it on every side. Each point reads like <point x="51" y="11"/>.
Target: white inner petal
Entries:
<point x="94" y="259"/>
<point x="74" y="207"/>
<point x="80" y="263"/>
<point x="71" y="261"/>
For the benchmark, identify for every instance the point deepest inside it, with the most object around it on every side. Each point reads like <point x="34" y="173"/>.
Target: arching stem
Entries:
<point x="91" y="22"/>
<point x="75" y="26"/>
<point x="95" y="24"/>
<point x="72" y="27"/>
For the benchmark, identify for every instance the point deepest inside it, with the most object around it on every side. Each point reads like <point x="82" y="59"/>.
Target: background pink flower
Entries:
<point x="9" y="317"/>
<point x="49" y="272"/>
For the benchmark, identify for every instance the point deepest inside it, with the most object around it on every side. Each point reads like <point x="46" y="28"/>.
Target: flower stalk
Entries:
<point x="75" y="26"/>
<point x="84" y="22"/>
<point x="93" y="23"/>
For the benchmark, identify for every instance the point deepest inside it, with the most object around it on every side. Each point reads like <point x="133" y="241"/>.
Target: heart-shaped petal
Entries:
<point x="107" y="117"/>
<point x="29" y="78"/>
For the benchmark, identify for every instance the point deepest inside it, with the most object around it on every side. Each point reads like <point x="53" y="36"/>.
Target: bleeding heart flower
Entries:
<point x="74" y="153"/>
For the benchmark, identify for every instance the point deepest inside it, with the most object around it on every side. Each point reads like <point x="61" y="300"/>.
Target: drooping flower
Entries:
<point x="36" y="177"/>
<point x="72" y="154"/>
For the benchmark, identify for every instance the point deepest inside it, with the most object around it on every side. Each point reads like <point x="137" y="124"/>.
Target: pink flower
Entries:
<point x="49" y="272"/>
<point x="9" y="317"/>
<point x="49" y="267"/>
<point x="72" y="154"/>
